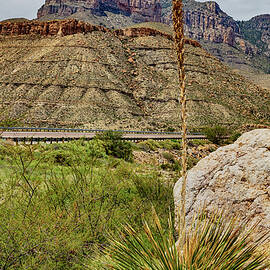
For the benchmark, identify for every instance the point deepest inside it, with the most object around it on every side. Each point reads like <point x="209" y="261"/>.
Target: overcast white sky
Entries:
<point x="244" y="9"/>
<point x="238" y="9"/>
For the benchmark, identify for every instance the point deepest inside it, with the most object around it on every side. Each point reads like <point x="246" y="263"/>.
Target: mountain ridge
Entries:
<point x="99" y="79"/>
<point x="204" y="21"/>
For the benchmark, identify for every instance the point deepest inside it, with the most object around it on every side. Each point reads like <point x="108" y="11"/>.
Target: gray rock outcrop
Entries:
<point x="236" y="177"/>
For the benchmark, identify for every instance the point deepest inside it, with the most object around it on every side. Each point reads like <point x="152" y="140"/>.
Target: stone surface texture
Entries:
<point x="51" y="28"/>
<point x="139" y="10"/>
<point x="72" y="27"/>
<point x="235" y="177"/>
<point x="208" y="22"/>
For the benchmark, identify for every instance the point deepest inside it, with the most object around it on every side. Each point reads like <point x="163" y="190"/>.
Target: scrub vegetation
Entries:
<point x="60" y="203"/>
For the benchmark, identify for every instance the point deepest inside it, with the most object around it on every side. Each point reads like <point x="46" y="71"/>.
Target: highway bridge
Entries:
<point x="26" y="134"/>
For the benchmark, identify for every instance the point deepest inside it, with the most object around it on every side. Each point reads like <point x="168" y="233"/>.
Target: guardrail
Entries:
<point x="32" y="129"/>
<point x="25" y="134"/>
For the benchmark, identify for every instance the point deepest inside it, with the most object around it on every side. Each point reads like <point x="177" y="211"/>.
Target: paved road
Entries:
<point x="22" y="135"/>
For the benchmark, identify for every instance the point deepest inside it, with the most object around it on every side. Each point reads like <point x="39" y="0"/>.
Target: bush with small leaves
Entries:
<point x="115" y="145"/>
<point x="216" y="134"/>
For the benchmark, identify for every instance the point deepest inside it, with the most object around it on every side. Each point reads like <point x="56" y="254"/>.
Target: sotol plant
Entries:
<point x="213" y="243"/>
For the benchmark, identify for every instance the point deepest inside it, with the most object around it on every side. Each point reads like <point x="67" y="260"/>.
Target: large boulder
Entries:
<point x="235" y="177"/>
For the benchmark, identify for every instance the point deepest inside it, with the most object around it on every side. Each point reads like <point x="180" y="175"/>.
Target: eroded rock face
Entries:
<point x="71" y="27"/>
<point x="206" y="21"/>
<point x="257" y="32"/>
<point x="236" y="177"/>
<point x="140" y="10"/>
<point x="145" y="32"/>
<point x="51" y="28"/>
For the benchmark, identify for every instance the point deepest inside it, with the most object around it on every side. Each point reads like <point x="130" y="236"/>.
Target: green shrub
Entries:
<point x="170" y="145"/>
<point x="149" y="145"/>
<point x="234" y="137"/>
<point x="10" y="123"/>
<point x="172" y="164"/>
<point x="177" y="166"/>
<point x="152" y="188"/>
<point x="152" y="145"/>
<point x="68" y="153"/>
<point x="191" y="162"/>
<point x="55" y="215"/>
<point x="197" y="142"/>
<point x="168" y="156"/>
<point x="166" y="166"/>
<point x="215" y="134"/>
<point x="170" y="129"/>
<point x="115" y="145"/>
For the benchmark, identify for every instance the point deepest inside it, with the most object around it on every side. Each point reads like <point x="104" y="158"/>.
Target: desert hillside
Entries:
<point x="105" y="79"/>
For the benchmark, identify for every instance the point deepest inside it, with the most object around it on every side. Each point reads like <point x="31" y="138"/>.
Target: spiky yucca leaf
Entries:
<point x="219" y="242"/>
<point x="214" y="243"/>
<point x="157" y="252"/>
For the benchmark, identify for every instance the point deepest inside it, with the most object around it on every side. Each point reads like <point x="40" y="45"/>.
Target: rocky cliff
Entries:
<point x="205" y="21"/>
<point x="132" y="11"/>
<point x="245" y="46"/>
<point x="248" y="43"/>
<point x="120" y="80"/>
<point x="51" y="28"/>
<point x="71" y="27"/>
<point x="257" y="32"/>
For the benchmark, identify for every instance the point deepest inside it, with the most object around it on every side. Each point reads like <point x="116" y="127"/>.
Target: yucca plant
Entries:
<point x="213" y="243"/>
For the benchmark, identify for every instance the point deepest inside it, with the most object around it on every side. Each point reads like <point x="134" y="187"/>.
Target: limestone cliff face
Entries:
<point x="203" y="21"/>
<point x="51" y="28"/>
<point x="139" y="10"/>
<point x="206" y="21"/>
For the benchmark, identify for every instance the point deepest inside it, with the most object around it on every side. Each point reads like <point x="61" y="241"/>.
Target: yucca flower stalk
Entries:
<point x="178" y="24"/>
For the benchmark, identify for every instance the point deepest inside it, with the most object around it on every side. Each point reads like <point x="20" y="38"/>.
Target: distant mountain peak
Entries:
<point x="204" y="21"/>
<point x="128" y="11"/>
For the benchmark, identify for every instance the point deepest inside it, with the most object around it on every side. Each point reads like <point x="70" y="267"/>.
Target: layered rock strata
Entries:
<point x="206" y="21"/>
<point x="101" y="79"/>
<point x="139" y="10"/>
<point x="203" y="21"/>
<point x="71" y="27"/>
<point x="51" y="28"/>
